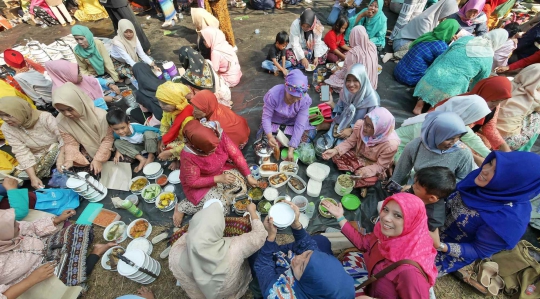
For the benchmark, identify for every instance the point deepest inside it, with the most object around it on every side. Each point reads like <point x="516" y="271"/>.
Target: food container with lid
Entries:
<point x="294" y="182"/>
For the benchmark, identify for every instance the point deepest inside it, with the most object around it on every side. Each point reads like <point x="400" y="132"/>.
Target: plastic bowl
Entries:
<point x="162" y="178"/>
<point x="301" y="202"/>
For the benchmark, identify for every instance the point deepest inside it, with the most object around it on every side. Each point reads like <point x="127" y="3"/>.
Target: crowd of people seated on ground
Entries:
<point x="464" y="155"/>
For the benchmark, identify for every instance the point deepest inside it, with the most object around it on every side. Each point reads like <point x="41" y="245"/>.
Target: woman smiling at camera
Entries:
<point x="401" y="234"/>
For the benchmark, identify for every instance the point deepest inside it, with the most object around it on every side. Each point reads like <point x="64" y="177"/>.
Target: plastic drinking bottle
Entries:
<point x="128" y="205"/>
<point x="166" y="76"/>
<point x="310" y="210"/>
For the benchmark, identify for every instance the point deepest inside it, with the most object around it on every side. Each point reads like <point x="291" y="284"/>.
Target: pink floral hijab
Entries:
<point x="472" y="4"/>
<point x="383" y="124"/>
<point x="414" y="243"/>
<point x="8" y="241"/>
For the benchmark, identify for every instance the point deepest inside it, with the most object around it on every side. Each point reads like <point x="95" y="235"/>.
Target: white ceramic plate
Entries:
<point x="133" y="180"/>
<point x="311" y="68"/>
<point x="105" y="259"/>
<point x="142" y="244"/>
<point x="174" y="177"/>
<point x="282" y="213"/>
<point x="148" y="230"/>
<point x="120" y="239"/>
<point x="270" y="193"/>
<point x="152" y="169"/>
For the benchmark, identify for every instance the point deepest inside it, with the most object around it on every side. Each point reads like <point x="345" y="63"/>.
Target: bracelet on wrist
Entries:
<point x="341" y="218"/>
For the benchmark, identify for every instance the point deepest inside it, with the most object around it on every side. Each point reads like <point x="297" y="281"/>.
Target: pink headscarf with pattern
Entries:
<point x="383" y="125"/>
<point x="365" y="52"/>
<point x="472" y="4"/>
<point x="414" y="243"/>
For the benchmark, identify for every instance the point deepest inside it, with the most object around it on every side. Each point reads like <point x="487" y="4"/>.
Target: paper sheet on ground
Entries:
<point x="116" y="176"/>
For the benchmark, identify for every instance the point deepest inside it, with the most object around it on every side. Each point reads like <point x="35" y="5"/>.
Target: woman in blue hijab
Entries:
<point x="305" y="268"/>
<point x="490" y="209"/>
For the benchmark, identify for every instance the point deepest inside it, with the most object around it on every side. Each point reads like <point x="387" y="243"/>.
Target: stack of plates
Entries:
<point x="174" y="177"/>
<point x="283" y="215"/>
<point x="153" y="170"/>
<point x="140" y="259"/>
<point x="85" y="190"/>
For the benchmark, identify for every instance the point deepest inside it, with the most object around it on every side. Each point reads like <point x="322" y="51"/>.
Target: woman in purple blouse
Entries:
<point x="286" y="108"/>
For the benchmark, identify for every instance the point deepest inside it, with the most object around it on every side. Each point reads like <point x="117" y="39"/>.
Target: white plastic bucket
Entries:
<point x="340" y="190"/>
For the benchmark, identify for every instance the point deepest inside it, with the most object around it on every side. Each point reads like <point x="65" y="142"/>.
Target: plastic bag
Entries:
<point x="58" y="180"/>
<point x="306" y="153"/>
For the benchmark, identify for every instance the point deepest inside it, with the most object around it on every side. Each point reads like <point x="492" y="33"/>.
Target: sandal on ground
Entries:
<point x="487" y="271"/>
<point x="466" y="276"/>
<point x="165" y="253"/>
<point x="497" y="284"/>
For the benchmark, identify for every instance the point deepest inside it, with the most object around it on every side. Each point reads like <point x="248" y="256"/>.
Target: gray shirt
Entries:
<point x="459" y="161"/>
<point x="474" y="29"/>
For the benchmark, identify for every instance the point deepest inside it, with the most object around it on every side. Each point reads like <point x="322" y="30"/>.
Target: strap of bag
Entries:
<point x="388" y="269"/>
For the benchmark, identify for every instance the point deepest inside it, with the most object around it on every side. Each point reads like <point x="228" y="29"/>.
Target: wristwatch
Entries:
<point x="441" y="247"/>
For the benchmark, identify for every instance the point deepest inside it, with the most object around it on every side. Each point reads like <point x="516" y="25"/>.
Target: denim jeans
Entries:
<point x="269" y="65"/>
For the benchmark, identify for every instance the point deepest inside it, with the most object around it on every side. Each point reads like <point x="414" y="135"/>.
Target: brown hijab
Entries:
<point x="8" y="241"/>
<point x="91" y="128"/>
<point x="201" y="139"/>
<point x="20" y="110"/>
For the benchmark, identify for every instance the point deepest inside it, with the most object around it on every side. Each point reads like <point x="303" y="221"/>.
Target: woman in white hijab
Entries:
<point x="470" y="108"/>
<point x="126" y="47"/>
<point x="208" y="265"/>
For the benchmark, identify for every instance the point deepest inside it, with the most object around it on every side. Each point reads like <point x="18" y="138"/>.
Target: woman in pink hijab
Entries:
<point x="63" y="71"/>
<point x="471" y="18"/>
<point x="362" y="51"/>
<point x="223" y="57"/>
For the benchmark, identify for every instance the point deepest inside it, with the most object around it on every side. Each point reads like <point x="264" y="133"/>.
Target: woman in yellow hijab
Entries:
<point x="7" y="90"/>
<point x="177" y="112"/>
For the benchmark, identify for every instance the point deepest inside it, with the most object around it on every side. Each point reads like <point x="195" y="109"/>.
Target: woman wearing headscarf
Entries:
<point x="31" y="81"/>
<point x="223" y="57"/>
<point x="63" y="71"/>
<point x="362" y="51"/>
<point x="202" y="19"/>
<point x="438" y="145"/>
<point x="205" y="171"/>
<point x="88" y="139"/>
<point x="209" y="265"/>
<point x="374" y="20"/>
<point x="519" y="117"/>
<point x="305" y="268"/>
<point x="490" y="210"/>
<point x="368" y="152"/>
<point x="400" y="234"/>
<point x="200" y="75"/>
<point x="357" y="98"/>
<point x="423" y="51"/>
<point x="7" y="90"/>
<point x="470" y="108"/>
<point x="494" y="90"/>
<point x="127" y="50"/>
<point x="467" y="61"/>
<point x="205" y="105"/>
<point x="33" y="136"/>
<point x="25" y="259"/>
<point x="306" y="43"/>
<point x="177" y="112"/>
<point x="471" y="18"/>
<point x="220" y="10"/>
<point x="286" y="109"/>
<point x="91" y="55"/>
<point x="148" y="85"/>
<point x="422" y="24"/>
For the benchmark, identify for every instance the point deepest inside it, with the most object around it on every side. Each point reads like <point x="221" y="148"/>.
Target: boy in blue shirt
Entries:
<point x="132" y="140"/>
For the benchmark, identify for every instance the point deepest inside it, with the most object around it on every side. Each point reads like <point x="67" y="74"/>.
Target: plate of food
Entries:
<point x="110" y="259"/>
<point x="240" y="205"/>
<point x="268" y="169"/>
<point x="263" y="183"/>
<point x="297" y="184"/>
<point x="166" y="201"/>
<point x="151" y="192"/>
<point x="116" y="232"/>
<point x="139" y="228"/>
<point x="264" y="206"/>
<point x="278" y="180"/>
<point x="288" y="167"/>
<point x="322" y="210"/>
<point x="105" y="218"/>
<point x="311" y="67"/>
<point x="137" y="184"/>
<point x="255" y="193"/>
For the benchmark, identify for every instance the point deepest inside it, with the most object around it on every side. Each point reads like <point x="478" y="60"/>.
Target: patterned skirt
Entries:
<point x="289" y="54"/>
<point x="43" y="165"/>
<point x="530" y="127"/>
<point x="221" y="191"/>
<point x="76" y="240"/>
<point x="351" y="162"/>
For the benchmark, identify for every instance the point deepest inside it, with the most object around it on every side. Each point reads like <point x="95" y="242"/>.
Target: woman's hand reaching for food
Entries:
<point x="96" y="166"/>
<point x="252" y="181"/>
<point x="270" y="228"/>
<point x="224" y="178"/>
<point x="329" y="154"/>
<point x="336" y="211"/>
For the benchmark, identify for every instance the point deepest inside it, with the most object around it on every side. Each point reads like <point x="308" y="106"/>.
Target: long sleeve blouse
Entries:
<point x="197" y="172"/>
<point x="227" y="67"/>
<point x="276" y="112"/>
<point x="73" y="153"/>
<point x="378" y="157"/>
<point x="460" y="161"/>
<point x="119" y="53"/>
<point x="525" y="62"/>
<point x="478" y="28"/>
<point x="406" y="281"/>
<point x="16" y="265"/>
<point x="265" y="266"/>
<point x="86" y="67"/>
<point x="238" y="272"/>
<point x="298" y="43"/>
<point x="29" y="144"/>
<point x="415" y="63"/>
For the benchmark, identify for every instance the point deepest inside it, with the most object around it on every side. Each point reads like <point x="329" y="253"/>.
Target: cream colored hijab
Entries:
<point x="205" y="257"/>
<point x="524" y="101"/>
<point x="20" y="110"/>
<point x="90" y="129"/>
<point x="202" y="19"/>
<point x="8" y="241"/>
<point x="120" y="40"/>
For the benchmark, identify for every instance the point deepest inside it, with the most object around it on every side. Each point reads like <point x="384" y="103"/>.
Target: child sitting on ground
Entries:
<point x="131" y="139"/>
<point x="276" y="54"/>
<point x="335" y="40"/>
<point x="433" y="185"/>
